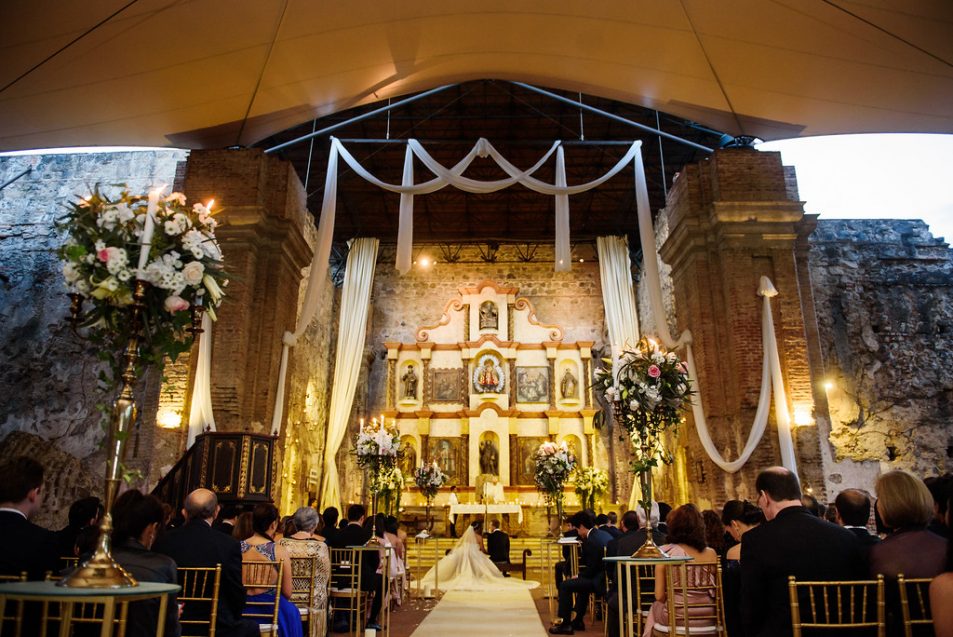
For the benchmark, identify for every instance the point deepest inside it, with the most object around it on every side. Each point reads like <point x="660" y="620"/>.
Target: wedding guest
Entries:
<point x="261" y="547"/>
<point x="941" y="588"/>
<point x="591" y="577"/>
<point x="452" y="500"/>
<point x="243" y="526"/>
<point x="663" y="510"/>
<point x="398" y="565"/>
<point x="686" y="538"/>
<point x="811" y="503"/>
<point x="354" y="534"/>
<point x="602" y="522"/>
<point x="739" y="517"/>
<point x="28" y="547"/>
<point x="82" y="513"/>
<point x="941" y="487"/>
<point x="714" y="531"/>
<point x="304" y="543"/>
<point x="330" y="530"/>
<point x="227" y="519"/>
<point x="906" y="506"/>
<point x="852" y="511"/>
<point x="792" y="542"/>
<point x="136" y="520"/>
<point x="197" y="544"/>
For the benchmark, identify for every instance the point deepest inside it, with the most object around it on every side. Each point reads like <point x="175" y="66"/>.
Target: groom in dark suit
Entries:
<point x="498" y="546"/>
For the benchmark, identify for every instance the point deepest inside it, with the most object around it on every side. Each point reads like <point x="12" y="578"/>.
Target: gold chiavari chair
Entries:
<point x="837" y="605"/>
<point x="695" y="602"/>
<point x="345" y="596"/>
<point x="303" y="572"/>
<point x="200" y="588"/>
<point x="636" y="591"/>
<point x="914" y="602"/>
<point x="13" y="612"/>
<point x="386" y="555"/>
<point x="263" y="576"/>
<point x="54" y="613"/>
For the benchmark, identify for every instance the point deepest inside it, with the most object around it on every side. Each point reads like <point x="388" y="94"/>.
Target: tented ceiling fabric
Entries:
<point x="213" y="73"/>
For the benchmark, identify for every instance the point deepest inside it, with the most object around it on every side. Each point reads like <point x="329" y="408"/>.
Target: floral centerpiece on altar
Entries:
<point x="378" y="450"/>
<point x="553" y="464"/>
<point x="650" y="393"/>
<point x="149" y="267"/>
<point x="112" y="243"/>
<point x="590" y="483"/>
<point x="429" y="478"/>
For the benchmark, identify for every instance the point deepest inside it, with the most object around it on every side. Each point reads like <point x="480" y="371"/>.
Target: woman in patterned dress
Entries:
<point x="306" y="543"/>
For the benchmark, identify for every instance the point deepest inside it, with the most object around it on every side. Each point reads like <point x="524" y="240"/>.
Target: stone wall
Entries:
<point x="884" y="296"/>
<point x="48" y="378"/>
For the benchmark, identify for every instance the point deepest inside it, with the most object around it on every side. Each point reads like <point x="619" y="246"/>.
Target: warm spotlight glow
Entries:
<point x="424" y="262"/>
<point x="169" y="420"/>
<point x="828" y="385"/>
<point x="802" y="416"/>
<point x="582" y="260"/>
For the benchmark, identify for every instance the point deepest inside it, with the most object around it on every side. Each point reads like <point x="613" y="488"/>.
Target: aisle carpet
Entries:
<point x="509" y="613"/>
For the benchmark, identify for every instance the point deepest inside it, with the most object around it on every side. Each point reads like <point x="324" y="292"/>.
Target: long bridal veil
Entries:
<point x="466" y="568"/>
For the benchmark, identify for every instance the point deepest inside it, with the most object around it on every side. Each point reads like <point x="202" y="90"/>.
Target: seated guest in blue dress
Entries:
<point x="261" y="547"/>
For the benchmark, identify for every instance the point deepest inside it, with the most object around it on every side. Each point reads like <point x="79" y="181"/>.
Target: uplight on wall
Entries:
<point x="803" y="416"/>
<point x="169" y="419"/>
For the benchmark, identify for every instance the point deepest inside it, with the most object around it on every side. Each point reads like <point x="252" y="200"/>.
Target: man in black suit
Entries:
<point x="602" y="522"/>
<point x="792" y="542"/>
<point x="498" y="545"/>
<point x="354" y="534"/>
<point x="27" y="547"/>
<point x="591" y="577"/>
<point x="330" y="530"/>
<point x="633" y="536"/>
<point x="852" y="508"/>
<point x="197" y="544"/>
<point x="227" y="518"/>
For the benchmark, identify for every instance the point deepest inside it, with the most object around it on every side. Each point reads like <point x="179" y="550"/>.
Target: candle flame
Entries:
<point x="208" y="206"/>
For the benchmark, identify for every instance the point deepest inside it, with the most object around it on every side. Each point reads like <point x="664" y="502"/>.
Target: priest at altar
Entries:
<point x="493" y="491"/>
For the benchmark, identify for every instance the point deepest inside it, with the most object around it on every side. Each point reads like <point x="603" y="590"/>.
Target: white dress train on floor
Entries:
<point x="467" y="568"/>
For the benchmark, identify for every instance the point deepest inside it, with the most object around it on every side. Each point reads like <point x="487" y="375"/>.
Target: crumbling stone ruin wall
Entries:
<point x="884" y="295"/>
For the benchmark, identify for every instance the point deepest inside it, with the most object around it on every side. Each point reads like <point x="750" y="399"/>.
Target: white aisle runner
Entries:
<point x="510" y="613"/>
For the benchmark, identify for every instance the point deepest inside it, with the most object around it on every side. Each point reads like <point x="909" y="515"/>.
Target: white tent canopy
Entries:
<point x="211" y="73"/>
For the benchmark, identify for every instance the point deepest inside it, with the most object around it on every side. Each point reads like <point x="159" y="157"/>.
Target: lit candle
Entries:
<point x="616" y="363"/>
<point x="148" y="230"/>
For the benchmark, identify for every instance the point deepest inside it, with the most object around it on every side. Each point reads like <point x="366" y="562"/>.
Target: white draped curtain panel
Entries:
<point x="201" y="416"/>
<point x="352" y="328"/>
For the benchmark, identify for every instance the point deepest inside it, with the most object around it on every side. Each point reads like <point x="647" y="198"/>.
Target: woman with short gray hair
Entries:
<point x="306" y="543"/>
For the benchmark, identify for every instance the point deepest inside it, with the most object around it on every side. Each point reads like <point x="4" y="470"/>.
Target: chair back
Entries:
<point x="303" y="573"/>
<point x="199" y="593"/>
<point x="13" y="612"/>
<point x="695" y="599"/>
<point x="914" y="602"/>
<point x="68" y="561"/>
<point x="88" y="613"/>
<point x="264" y="576"/>
<point x="636" y="588"/>
<point x="857" y="604"/>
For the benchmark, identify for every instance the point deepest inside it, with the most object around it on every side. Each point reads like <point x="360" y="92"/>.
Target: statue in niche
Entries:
<point x="568" y="385"/>
<point x="408" y="462"/>
<point x="489" y="458"/>
<point x="488" y="375"/>
<point x="489" y="316"/>
<point x="409" y="381"/>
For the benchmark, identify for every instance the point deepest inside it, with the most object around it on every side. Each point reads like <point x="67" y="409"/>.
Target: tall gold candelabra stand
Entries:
<point x="648" y="550"/>
<point x="101" y="570"/>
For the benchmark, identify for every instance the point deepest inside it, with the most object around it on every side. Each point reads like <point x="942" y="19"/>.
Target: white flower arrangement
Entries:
<point x="377" y="441"/>
<point x="102" y="255"/>
<point x="589" y="484"/>
<point x="429" y="478"/>
<point x="554" y="463"/>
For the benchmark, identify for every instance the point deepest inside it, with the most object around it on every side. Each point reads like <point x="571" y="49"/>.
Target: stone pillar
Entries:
<point x="264" y="234"/>
<point x="731" y="219"/>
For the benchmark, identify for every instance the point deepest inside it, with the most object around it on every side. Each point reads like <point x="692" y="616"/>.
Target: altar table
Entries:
<point x="480" y="509"/>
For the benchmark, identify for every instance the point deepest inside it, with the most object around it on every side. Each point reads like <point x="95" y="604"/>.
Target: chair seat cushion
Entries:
<point x="680" y="630"/>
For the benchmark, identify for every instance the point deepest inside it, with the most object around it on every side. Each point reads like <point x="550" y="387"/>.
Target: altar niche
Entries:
<point x="492" y="383"/>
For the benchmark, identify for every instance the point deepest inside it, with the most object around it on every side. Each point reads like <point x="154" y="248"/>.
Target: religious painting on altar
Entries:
<point x="451" y="456"/>
<point x="447" y="385"/>
<point x="532" y="384"/>
<point x="524" y="467"/>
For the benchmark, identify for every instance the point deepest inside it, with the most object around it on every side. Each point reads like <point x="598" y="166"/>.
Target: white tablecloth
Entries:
<point x="480" y="509"/>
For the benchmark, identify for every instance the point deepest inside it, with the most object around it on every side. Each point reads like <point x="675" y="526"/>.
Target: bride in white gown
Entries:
<point x="467" y="568"/>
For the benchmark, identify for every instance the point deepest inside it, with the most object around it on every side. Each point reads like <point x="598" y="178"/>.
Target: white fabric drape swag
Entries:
<point x="771" y="376"/>
<point x="200" y="415"/>
<point x="352" y="327"/>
